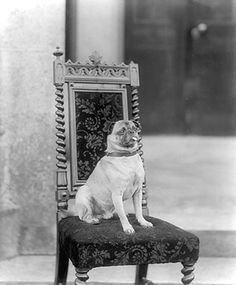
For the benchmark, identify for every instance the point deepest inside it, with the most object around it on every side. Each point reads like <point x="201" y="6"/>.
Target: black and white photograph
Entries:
<point x="117" y="142"/>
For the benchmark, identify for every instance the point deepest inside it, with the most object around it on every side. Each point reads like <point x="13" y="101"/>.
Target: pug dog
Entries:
<point x="118" y="176"/>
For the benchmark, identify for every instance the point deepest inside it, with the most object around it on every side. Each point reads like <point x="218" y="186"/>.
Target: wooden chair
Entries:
<point x="90" y="97"/>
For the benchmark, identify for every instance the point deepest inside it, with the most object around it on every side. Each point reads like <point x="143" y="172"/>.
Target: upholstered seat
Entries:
<point x="106" y="244"/>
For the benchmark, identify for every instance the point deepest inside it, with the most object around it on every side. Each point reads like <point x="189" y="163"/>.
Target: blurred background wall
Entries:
<point x="186" y="54"/>
<point x="29" y="31"/>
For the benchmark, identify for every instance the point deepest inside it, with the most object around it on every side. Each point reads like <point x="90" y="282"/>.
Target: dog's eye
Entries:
<point x="121" y="132"/>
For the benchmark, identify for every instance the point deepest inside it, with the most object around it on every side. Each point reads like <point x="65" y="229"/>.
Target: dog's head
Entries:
<point x="124" y="137"/>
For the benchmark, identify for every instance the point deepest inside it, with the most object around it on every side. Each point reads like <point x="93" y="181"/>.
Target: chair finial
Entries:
<point x="58" y="52"/>
<point x="95" y="58"/>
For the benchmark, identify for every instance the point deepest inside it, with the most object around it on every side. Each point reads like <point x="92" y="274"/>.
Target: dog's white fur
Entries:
<point x="114" y="179"/>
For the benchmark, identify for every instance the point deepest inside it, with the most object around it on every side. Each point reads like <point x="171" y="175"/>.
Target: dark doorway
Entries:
<point x="185" y="50"/>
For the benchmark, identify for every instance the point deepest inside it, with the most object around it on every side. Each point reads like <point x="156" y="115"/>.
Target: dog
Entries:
<point x="118" y="176"/>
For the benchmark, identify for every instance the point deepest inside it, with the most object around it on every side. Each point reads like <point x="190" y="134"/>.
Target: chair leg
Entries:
<point x="81" y="276"/>
<point x="141" y="273"/>
<point x="62" y="263"/>
<point x="188" y="273"/>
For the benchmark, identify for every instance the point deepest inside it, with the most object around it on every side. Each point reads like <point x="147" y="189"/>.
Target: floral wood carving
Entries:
<point x="95" y="70"/>
<point x="101" y="70"/>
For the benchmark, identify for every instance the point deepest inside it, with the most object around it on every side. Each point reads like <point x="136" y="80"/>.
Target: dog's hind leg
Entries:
<point x="84" y="207"/>
<point x="107" y="215"/>
<point x="85" y="214"/>
<point x="108" y="212"/>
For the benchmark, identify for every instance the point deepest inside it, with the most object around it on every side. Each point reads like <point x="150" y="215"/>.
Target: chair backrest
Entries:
<point x="90" y="98"/>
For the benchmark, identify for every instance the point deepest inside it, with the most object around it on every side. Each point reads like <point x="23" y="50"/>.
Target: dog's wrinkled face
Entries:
<point x="126" y="134"/>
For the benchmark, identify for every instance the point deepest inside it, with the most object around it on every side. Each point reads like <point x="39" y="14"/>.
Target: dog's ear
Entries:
<point x="137" y="125"/>
<point x="110" y="127"/>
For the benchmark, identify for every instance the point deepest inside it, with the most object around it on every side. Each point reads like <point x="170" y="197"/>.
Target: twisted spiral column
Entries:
<point x="61" y="152"/>
<point x="62" y="193"/>
<point x="188" y="273"/>
<point x="62" y="184"/>
<point x="136" y="119"/>
<point x="135" y="115"/>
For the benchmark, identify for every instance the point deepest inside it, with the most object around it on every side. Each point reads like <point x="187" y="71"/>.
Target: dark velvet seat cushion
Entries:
<point x="106" y="244"/>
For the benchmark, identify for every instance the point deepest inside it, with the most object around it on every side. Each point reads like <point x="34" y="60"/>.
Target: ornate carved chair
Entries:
<point x="90" y="98"/>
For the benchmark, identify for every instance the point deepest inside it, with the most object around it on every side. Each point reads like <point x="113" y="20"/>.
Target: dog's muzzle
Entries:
<point x="129" y="140"/>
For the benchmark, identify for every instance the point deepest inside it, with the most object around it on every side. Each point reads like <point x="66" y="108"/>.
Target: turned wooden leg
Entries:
<point x="81" y="276"/>
<point x="141" y="273"/>
<point x="188" y="273"/>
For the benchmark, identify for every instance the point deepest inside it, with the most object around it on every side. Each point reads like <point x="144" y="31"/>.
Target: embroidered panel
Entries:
<point x="95" y="112"/>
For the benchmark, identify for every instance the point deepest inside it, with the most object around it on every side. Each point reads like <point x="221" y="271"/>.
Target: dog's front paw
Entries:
<point x="128" y="229"/>
<point x="145" y="224"/>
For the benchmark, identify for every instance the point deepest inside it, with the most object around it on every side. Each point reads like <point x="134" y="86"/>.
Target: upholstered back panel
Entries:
<point x="91" y="111"/>
<point x="95" y="114"/>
